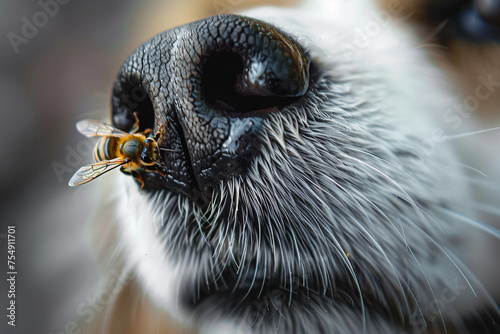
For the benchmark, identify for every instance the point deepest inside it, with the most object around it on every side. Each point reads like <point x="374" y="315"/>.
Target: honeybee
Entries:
<point x="132" y="151"/>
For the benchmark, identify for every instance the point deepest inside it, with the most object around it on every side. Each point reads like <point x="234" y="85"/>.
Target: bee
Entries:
<point x="132" y="151"/>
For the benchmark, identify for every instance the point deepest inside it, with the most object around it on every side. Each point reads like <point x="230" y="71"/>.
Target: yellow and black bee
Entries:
<point x="131" y="151"/>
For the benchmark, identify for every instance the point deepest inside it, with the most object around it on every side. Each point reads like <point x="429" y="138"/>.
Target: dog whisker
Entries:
<point x="468" y="134"/>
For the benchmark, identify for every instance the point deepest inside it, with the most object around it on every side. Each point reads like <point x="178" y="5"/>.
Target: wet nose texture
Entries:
<point x="210" y="83"/>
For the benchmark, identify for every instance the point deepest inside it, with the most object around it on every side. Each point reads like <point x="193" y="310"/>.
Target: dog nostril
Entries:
<point x="249" y="66"/>
<point x="129" y="98"/>
<point x="219" y="76"/>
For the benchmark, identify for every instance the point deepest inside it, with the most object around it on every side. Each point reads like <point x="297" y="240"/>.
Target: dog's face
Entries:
<point x="308" y="184"/>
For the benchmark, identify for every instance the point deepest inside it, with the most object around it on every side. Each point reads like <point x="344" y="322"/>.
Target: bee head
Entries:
<point x="150" y="153"/>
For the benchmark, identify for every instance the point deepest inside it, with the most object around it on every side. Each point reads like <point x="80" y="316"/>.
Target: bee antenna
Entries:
<point x="167" y="149"/>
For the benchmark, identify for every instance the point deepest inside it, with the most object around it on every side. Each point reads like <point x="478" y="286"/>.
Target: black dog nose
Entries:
<point x="210" y="84"/>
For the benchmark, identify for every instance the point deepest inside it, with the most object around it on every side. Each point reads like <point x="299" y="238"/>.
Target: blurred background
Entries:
<point x="58" y="61"/>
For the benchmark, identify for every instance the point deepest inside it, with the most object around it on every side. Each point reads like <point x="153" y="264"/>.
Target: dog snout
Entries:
<point x="210" y="83"/>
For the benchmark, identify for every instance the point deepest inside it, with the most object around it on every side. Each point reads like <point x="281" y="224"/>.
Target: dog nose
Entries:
<point x="211" y="84"/>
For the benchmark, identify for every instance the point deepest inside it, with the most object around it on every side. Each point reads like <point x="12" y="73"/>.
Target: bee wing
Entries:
<point x="93" y="128"/>
<point x="90" y="172"/>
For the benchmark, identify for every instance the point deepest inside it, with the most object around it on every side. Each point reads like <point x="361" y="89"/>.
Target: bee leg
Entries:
<point x="135" y="127"/>
<point x="126" y="170"/>
<point x="138" y="178"/>
<point x="157" y="134"/>
<point x="155" y="169"/>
